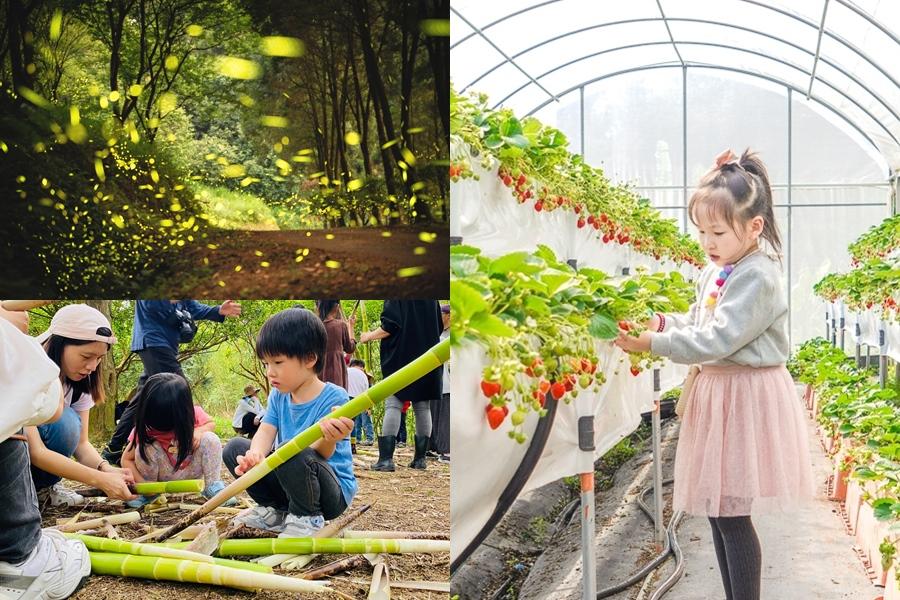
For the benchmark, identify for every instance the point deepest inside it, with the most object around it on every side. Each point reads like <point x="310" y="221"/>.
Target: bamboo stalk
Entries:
<point x="381" y="581"/>
<point x="338" y="566"/>
<point x="206" y="541"/>
<point x="428" y="586"/>
<point x="178" y="486"/>
<point x="129" y="517"/>
<point x="431" y="360"/>
<point x="386" y="535"/>
<point x="259" y="547"/>
<point x="222" y="510"/>
<point x="99" y="544"/>
<point x="297" y="561"/>
<point x="171" y="569"/>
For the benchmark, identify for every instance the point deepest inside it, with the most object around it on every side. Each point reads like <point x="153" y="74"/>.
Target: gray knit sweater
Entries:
<point x="748" y="326"/>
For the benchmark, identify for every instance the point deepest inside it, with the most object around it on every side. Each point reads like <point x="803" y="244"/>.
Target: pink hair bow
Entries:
<point x="726" y="158"/>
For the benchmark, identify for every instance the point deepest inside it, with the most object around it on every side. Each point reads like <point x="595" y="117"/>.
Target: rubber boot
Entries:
<point x="386" y="444"/>
<point x="418" y="461"/>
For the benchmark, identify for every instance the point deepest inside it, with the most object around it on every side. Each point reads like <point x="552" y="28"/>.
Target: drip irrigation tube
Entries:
<point x="670" y="547"/>
<point x="516" y="483"/>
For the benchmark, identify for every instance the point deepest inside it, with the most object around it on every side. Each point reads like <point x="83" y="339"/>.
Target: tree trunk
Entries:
<point x="439" y="56"/>
<point x="20" y="50"/>
<point x="103" y="416"/>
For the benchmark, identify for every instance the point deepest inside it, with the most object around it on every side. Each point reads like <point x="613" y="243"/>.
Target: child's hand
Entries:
<point x="115" y="486"/>
<point x="334" y="430"/>
<point x="195" y="443"/>
<point x="629" y="343"/>
<point x="248" y="461"/>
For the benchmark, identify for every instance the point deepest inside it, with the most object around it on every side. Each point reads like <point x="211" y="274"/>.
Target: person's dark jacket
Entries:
<point x="415" y="326"/>
<point x="155" y="325"/>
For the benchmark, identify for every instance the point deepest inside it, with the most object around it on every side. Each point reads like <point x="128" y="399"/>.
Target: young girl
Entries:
<point x="743" y="448"/>
<point x="172" y="438"/>
<point x="77" y="339"/>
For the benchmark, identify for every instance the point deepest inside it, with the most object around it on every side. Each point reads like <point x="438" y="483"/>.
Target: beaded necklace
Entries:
<point x="713" y="297"/>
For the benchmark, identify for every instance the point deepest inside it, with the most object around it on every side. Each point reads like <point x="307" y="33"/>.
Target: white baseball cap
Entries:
<point x="79" y="322"/>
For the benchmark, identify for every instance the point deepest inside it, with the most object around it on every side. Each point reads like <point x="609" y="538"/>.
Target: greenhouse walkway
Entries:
<point x="805" y="554"/>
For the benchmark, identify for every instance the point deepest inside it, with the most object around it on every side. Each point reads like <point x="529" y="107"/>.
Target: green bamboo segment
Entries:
<point x="183" y="486"/>
<point x="432" y="359"/>
<point x="96" y="544"/>
<point x="171" y="569"/>
<point x="264" y="546"/>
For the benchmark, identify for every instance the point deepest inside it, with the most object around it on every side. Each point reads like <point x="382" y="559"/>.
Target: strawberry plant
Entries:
<point x="539" y="322"/>
<point x="533" y="161"/>
<point x="879" y="242"/>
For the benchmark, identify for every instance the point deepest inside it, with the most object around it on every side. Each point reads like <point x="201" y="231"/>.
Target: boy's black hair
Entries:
<point x="355" y="362"/>
<point x="93" y="383"/>
<point x="295" y="332"/>
<point x="165" y="403"/>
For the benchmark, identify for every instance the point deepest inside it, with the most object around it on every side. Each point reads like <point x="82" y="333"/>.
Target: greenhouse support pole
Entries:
<point x="657" y="461"/>
<point x="833" y="327"/>
<point x="588" y="527"/>
<point x="827" y="332"/>
<point x="882" y="358"/>
<point x="842" y="324"/>
<point x="858" y="333"/>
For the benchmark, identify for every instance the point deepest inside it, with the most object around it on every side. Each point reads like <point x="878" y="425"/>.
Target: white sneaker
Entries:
<point x="53" y="570"/>
<point x="60" y="495"/>
<point x="301" y="527"/>
<point x="262" y="517"/>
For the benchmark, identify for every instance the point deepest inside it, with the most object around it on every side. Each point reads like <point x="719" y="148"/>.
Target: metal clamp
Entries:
<point x="586" y="433"/>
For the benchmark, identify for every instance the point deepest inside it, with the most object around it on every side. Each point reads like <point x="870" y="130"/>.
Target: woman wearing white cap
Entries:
<point x="77" y="339"/>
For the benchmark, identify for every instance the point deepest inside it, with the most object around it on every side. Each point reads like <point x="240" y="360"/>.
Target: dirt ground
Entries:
<point x="410" y="262"/>
<point x="406" y="500"/>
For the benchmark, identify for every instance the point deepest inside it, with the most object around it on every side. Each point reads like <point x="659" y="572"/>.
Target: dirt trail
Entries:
<point x="359" y="263"/>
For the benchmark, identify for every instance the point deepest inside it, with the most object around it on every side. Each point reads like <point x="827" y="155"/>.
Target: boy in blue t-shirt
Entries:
<point x="318" y="483"/>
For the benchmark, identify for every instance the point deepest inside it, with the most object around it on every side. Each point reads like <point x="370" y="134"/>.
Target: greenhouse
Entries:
<point x="584" y="138"/>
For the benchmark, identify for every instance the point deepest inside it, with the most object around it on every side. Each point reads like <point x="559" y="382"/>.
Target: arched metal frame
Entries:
<point x="891" y="177"/>
<point x="818" y="27"/>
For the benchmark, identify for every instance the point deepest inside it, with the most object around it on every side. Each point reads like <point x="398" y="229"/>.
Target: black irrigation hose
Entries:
<point x="670" y="543"/>
<point x="516" y="483"/>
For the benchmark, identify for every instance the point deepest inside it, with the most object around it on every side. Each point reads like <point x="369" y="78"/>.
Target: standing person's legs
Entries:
<point x="388" y="438"/>
<point x="434" y="407"/>
<point x="440" y="432"/>
<point x="367" y="427"/>
<point x="155" y="360"/>
<point x="721" y="557"/>
<point x="401" y="431"/>
<point x="744" y="556"/>
<point x="62" y="437"/>
<point x="357" y="428"/>
<point x="422" y="411"/>
<point x="248" y="425"/>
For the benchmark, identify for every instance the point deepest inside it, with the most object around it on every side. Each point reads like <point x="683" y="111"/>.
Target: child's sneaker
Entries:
<point x="60" y="495"/>
<point x="141" y="501"/>
<point x="262" y="517"/>
<point x="214" y="488"/>
<point x="300" y="527"/>
<point x="53" y="570"/>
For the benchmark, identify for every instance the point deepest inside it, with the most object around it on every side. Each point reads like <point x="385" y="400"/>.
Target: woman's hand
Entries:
<point x="115" y="484"/>
<point x="248" y="461"/>
<point x="125" y="472"/>
<point x="334" y="430"/>
<point x="629" y="343"/>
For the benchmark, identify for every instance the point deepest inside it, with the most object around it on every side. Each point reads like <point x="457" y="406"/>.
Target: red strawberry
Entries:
<point x="507" y="180"/>
<point x="534" y="364"/>
<point x="590" y="219"/>
<point x="495" y="415"/>
<point x="603" y="217"/>
<point x="538" y="206"/>
<point x="490" y="388"/>
<point x="596" y="224"/>
<point x="586" y="365"/>
<point x="625" y="325"/>
<point x="580" y="223"/>
<point x="558" y="389"/>
<point x="569" y="382"/>
<point x="635" y="371"/>
<point x="521" y="181"/>
<point x="577" y="209"/>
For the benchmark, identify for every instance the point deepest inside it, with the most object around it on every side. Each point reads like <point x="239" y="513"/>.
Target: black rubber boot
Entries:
<point x="418" y="461"/>
<point x="386" y="445"/>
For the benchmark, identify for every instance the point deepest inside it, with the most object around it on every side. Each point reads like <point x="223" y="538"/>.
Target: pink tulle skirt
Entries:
<point x="743" y="445"/>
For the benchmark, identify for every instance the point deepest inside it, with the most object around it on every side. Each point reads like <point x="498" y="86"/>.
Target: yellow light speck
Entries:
<point x="332" y="264"/>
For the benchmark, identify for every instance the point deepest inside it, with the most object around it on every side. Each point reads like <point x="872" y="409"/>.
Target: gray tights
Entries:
<point x="391" y="425"/>
<point x="739" y="556"/>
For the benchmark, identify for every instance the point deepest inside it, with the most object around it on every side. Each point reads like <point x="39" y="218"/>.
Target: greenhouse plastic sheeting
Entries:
<point x="851" y="68"/>
<point x="616" y="408"/>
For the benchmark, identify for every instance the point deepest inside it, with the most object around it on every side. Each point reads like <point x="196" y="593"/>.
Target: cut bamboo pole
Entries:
<point x="431" y="360"/>
<point x="294" y="562"/>
<point x="178" y="486"/>
<point x="129" y="517"/>
<point x="259" y="547"/>
<point x="206" y="541"/>
<point x="386" y="535"/>
<point x="338" y="566"/>
<point x="381" y="583"/>
<point x="98" y="544"/>
<point x="428" y="586"/>
<point x="171" y="569"/>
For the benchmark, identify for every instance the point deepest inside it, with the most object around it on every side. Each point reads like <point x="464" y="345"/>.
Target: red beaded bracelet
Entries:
<point x="662" y="323"/>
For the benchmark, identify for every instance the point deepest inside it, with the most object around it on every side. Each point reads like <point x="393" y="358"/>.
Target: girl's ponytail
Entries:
<point x="762" y="203"/>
